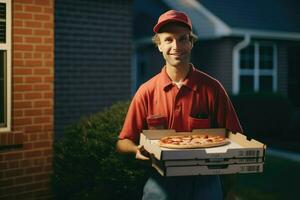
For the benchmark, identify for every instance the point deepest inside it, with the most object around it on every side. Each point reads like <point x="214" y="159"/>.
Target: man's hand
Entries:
<point x="142" y="154"/>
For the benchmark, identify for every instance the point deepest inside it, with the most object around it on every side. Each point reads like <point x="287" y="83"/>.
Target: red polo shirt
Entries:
<point x="201" y="102"/>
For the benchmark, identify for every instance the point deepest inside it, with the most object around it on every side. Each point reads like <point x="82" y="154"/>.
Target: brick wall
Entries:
<point x="26" y="152"/>
<point x="93" y="49"/>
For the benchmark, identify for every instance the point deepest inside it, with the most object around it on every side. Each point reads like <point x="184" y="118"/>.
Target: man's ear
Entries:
<point x="159" y="47"/>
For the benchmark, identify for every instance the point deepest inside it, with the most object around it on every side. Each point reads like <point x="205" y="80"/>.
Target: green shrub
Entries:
<point x="86" y="165"/>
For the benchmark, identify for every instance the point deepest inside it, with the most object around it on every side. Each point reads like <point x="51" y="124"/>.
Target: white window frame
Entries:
<point x="7" y="47"/>
<point x="256" y="72"/>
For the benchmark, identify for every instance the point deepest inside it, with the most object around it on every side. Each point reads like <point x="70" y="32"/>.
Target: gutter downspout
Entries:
<point x="236" y="58"/>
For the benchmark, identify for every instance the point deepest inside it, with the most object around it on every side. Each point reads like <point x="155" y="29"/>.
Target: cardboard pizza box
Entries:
<point x="239" y="146"/>
<point x="208" y="170"/>
<point x="212" y="161"/>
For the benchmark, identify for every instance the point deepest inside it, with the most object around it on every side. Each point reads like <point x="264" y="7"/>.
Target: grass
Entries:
<point x="280" y="180"/>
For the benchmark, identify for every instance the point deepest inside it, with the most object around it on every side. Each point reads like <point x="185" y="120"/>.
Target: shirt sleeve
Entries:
<point x="225" y="114"/>
<point x="135" y="120"/>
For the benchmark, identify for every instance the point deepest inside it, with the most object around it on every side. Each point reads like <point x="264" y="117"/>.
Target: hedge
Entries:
<point x="86" y="164"/>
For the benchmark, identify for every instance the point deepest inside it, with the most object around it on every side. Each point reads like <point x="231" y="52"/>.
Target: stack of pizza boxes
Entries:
<point x="240" y="155"/>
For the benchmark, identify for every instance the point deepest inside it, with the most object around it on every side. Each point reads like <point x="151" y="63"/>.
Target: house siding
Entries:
<point x="282" y="68"/>
<point x="26" y="151"/>
<point x="215" y="58"/>
<point x="92" y="57"/>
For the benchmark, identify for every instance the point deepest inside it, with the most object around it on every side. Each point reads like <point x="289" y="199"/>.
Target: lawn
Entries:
<point x="280" y="180"/>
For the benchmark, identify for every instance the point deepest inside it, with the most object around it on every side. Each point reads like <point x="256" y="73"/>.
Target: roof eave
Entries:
<point x="266" y="34"/>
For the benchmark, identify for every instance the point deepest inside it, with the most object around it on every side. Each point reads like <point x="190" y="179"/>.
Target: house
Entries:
<point x="79" y="49"/>
<point x="250" y="46"/>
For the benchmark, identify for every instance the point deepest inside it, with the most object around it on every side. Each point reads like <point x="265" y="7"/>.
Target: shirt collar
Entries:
<point x="190" y="80"/>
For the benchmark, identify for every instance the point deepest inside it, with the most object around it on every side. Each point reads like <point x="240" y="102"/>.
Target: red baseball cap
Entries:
<point x="172" y="16"/>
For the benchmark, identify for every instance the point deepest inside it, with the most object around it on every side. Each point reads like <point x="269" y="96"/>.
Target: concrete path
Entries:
<point x="284" y="154"/>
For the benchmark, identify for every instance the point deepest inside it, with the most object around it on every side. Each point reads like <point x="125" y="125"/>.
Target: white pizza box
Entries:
<point x="209" y="170"/>
<point x="212" y="161"/>
<point x="239" y="146"/>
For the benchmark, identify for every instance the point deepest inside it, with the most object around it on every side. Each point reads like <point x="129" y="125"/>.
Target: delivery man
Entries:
<point x="182" y="98"/>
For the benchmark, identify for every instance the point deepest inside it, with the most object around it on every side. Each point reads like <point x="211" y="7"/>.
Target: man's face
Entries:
<point x="175" y="45"/>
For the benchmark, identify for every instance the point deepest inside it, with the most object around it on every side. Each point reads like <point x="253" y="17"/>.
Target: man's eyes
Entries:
<point x="181" y="39"/>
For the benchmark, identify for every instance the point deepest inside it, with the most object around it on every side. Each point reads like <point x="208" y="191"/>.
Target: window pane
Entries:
<point x="246" y="84"/>
<point x="2" y="91"/>
<point x="265" y="83"/>
<point x="2" y="22"/>
<point x="266" y="57"/>
<point x="247" y="58"/>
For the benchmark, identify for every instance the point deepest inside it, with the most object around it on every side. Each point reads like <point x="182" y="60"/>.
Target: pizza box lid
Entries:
<point x="239" y="146"/>
<point x="209" y="170"/>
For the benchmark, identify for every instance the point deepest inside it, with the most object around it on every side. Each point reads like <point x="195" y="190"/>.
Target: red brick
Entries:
<point x="48" y="111"/>
<point x="41" y="71"/>
<point x="33" y="137"/>
<point x="23" y="47"/>
<point x="48" y="127"/>
<point x="18" y="55"/>
<point x="27" y="146"/>
<point x="18" y="79"/>
<point x="18" y="7"/>
<point x="42" y="32"/>
<point x="23" y="16"/>
<point x="43" y="2"/>
<point x="13" y="156"/>
<point x="48" y="10"/>
<point x="18" y="96"/>
<point x="42" y="17"/>
<point x="43" y="103"/>
<point x="13" y="172"/>
<point x="22" y="87"/>
<point x="28" y="55"/>
<point x="49" y="63"/>
<point x="22" y="71"/>
<point x="33" y="40"/>
<point x="37" y="55"/>
<point x="13" y="164"/>
<point x="42" y="87"/>
<point x="25" y="163"/>
<point x="34" y="170"/>
<point x="47" y="152"/>
<point x="42" y="177"/>
<point x="18" y="62"/>
<point x="22" y="32"/>
<point x="48" y="25"/>
<point x="30" y="8"/>
<point x="18" y="138"/>
<point x="42" y="144"/>
<point x="33" y="63"/>
<point x="25" y="1"/>
<point x="6" y="182"/>
<point x="32" y="154"/>
<point x="22" y="121"/>
<point x="33" y="24"/>
<point x="33" y="95"/>
<point x="24" y="179"/>
<point x="48" y="79"/>
<point x="22" y="104"/>
<point x="17" y="39"/>
<point x="45" y="48"/>
<point x="3" y="165"/>
<point x="17" y="23"/>
<point x="33" y="112"/>
<point x="41" y="120"/>
<point x="14" y="189"/>
<point x="33" y="128"/>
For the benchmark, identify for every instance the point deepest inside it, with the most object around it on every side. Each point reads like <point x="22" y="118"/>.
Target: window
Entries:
<point x="5" y="65"/>
<point x="258" y="68"/>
